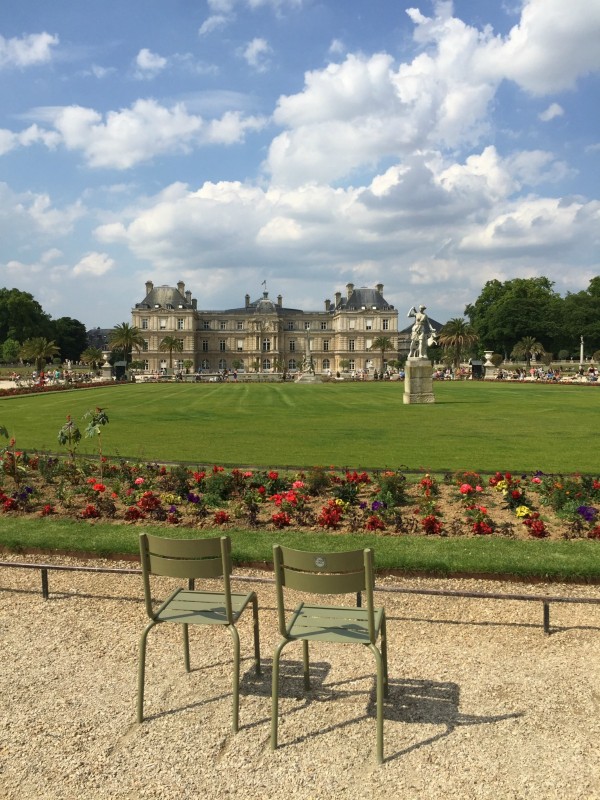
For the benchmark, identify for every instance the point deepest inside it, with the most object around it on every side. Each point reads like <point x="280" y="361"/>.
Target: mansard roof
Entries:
<point x="364" y="300"/>
<point x="263" y="306"/>
<point x="167" y="297"/>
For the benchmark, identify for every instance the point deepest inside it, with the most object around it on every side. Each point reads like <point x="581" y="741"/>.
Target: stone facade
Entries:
<point x="264" y="335"/>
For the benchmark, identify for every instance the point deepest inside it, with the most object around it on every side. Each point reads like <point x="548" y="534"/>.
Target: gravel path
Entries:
<point x="482" y="704"/>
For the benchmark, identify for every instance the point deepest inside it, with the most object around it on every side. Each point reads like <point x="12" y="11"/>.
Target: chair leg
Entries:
<point x="379" y="662"/>
<point x="306" y="664"/>
<point x="186" y="647"/>
<point x="275" y="693"/>
<point x="142" y="671"/>
<point x="236" y="678"/>
<point x="386" y="683"/>
<point x="256" y="634"/>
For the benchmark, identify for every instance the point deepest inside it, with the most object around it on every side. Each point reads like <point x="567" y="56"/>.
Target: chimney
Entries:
<point x="279" y="300"/>
<point x="181" y="287"/>
<point x="194" y="304"/>
<point x="349" y="290"/>
<point x="247" y="300"/>
<point x="149" y="287"/>
<point x="188" y="296"/>
<point x="379" y="288"/>
<point x="327" y="305"/>
<point x="338" y="298"/>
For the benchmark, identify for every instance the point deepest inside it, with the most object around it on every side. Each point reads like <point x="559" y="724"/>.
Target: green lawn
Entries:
<point x="473" y="425"/>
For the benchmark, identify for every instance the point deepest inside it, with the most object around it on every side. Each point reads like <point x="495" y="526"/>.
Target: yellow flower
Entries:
<point x="501" y="486"/>
<point x="522" y="511"/>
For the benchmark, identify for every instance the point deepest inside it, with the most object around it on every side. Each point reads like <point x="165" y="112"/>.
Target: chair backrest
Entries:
<point x="186" y="558"/>
<point x="324" y="573"/>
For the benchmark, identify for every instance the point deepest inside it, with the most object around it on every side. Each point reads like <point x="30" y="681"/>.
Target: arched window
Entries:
<point x="292" y="364"/>
<point x="205" y="364"/>
<point x="222" y="363"/>
<point x="326" y="363"/>
<point x="266" y="364"/>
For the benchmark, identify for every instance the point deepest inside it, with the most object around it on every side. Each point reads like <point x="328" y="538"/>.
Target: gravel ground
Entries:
<point x="482" y="704"/>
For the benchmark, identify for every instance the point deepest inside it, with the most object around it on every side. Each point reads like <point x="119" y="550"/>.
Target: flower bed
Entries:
<point x="384" y="502"/>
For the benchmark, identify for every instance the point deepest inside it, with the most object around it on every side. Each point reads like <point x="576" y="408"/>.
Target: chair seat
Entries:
<point x="340" y="624"/>
<point x="191" y="607"/>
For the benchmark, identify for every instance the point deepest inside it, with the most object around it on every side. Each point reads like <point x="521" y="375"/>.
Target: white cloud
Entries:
<point x="553" y="45"/>
<point x="553" y="110"/>
<point x="336" y="48"/>
<point x="214" y="23"/>
<point x="145" y="130"/>
<point x="256" y="53"/>
<point x="95" y="264"/>
<point x="149" y="64"/>
<point x="30" y="50"/>
<point x="368" y="108"/>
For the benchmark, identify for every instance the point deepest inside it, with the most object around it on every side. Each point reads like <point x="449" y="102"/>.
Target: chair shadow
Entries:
<point x="410" y="701"/>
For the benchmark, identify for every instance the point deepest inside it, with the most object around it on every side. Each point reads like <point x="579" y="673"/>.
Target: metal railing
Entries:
<point x="545" y="600"/>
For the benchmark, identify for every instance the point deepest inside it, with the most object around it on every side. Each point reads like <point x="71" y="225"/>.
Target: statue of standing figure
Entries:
<point x="422" y="333"/>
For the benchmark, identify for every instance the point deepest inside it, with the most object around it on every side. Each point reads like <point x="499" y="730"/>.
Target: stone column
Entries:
<point x="418" y="381"/>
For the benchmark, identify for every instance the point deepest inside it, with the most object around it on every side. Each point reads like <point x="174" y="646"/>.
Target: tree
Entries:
<point x="170" y="344"/>
<point x="457" y="335"/>
<point x="581" y="317"/>
<point x="10" y="351"/>
<point x="527" y="348"/>
<point x="38" y="350"/>
<point x="22" y="317"/>
<point x="71" y="337"/>
<point x="382" y="343"/>
<point x="92" y="356"/>
<point x="506" y="312"/>
<point x="125" y="338"/>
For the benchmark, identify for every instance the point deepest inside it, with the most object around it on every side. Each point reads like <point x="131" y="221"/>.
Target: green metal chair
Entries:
<point x="329" y="573"/>
<point x="194" y="558"/>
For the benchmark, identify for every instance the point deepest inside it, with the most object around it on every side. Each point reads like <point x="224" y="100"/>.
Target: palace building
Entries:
<point x="264" y="335"/>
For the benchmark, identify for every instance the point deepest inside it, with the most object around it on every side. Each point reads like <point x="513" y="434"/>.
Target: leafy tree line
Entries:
<point x="23" y="320"/>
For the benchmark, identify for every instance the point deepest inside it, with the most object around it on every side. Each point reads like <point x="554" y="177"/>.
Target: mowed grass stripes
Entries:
<point x="473" y="425"/>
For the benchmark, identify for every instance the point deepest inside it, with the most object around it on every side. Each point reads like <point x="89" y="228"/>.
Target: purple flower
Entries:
<point x="588" y="513"/>
<point x="362" y="506"/>
<point x="376" y="505"/>
<point x="172" y="509"/>
<point x="193" y="498"/>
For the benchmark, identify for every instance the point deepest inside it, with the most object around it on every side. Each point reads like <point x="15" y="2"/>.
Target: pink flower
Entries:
<point x="466" y="488"/>
<point x="139" y="481"/>
<point x="536" y="480"/>
<point x="298" y="485"/>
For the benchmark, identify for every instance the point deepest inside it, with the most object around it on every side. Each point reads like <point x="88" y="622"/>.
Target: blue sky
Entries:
<point x="428" y="146"/>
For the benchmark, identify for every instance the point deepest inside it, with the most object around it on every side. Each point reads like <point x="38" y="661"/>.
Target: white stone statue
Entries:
<point x="422" y="333"/>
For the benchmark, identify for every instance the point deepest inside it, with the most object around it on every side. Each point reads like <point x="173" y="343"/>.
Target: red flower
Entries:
<point x="46" y="510"/>
<point x="272" y="476"/>
<point x="281" y="519"/>
<point x="221" y="517"/>
<point x="90" y="512"/>
<point x="375" y="523"/>
<point x="99" y="487"/>
<point x="431" y="524"/>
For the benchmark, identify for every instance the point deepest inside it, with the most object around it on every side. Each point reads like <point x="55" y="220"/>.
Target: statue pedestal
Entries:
<point x="307" y="377"/>
<point x="418" y="381"/>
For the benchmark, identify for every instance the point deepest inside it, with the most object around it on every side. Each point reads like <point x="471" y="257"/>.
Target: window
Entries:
<point x="205" y="345"/>
<point x="179" y="364"/>
<point x="307" y="326"/>
<point x="240" y="345"/>
<point x="144" y="324"/>
<point x="323" y="326"/>
<point x="222" y="345"/>
<point x="266" y="345"/>
<point x="205" y="364"/>
<point x="292" y="364"/>
<point x="369" y="324"/>
<point x="222" y="325"/>
<point x="292" y="345"/>
<point x="205" y="325"/>
<point x="352" y="324"/>
<point x="351" y="344"/>
<point x="351" y="365"/>
<point x="385" y="323"/>
<point x="240" y="326"/>
<point x="290" y="325"/>
<point x="222" y="363"/>
<point x="180" y="324"/>
<point x="145" y="346"/>
<point x="326" y="363"/>
<point x="146" y="365"/>
<point x="325" y="344"/>
<point x="368" y="344"/>
<point x="266" y="364"/>
<point x="162" y="323"/>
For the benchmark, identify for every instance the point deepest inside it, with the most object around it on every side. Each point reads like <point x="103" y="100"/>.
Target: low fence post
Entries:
<point x="44" y="573"/>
